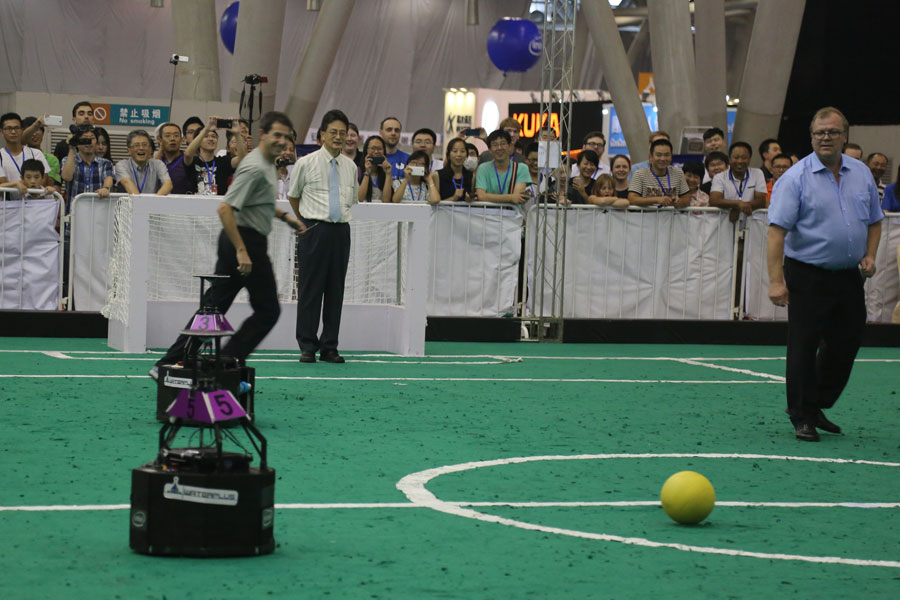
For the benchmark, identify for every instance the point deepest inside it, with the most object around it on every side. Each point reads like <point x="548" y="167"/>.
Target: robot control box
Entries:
<point x="188" y="512"/>
<point x="173" y="379"/>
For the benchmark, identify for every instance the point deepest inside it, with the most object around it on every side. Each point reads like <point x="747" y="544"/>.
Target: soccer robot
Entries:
<point x="200" y="499"/>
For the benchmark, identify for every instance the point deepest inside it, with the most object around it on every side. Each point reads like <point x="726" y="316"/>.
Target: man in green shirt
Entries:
<point x="246" y="214"/>
<point x="501" y="180"/>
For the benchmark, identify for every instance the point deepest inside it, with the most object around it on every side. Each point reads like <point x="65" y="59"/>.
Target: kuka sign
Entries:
<point x="533" y="122"/>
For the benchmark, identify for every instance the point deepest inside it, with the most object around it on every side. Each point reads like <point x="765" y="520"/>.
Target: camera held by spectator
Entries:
<point x="77" y="132"/>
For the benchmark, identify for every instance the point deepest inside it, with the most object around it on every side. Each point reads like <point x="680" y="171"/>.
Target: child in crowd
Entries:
<point x="604" y="193"/>
<point x="561" y="177"/>
<point x="32" y="179"/>
<point x="693" y="175"/>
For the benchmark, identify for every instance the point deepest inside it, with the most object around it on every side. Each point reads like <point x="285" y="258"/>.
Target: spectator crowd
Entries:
<point x="500" y="167"/>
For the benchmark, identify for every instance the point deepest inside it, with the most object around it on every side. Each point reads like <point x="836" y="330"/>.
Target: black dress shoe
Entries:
<point x="826" y="425"/>
<point x="806" y="433"/>
<point x="307" y="356"/>
<point x="331" y="356"/>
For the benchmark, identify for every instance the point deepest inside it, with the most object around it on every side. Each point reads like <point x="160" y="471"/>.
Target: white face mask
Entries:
<point x="470" y="164"/>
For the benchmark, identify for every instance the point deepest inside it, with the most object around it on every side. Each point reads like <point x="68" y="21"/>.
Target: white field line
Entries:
<point x="492" y="357"/>
<point x="414" y="488"/>
<point x="461" y="379"/>
<point x="497" y="360"/>
<point x="385" y="505"/>
<point x="698" y="363"/>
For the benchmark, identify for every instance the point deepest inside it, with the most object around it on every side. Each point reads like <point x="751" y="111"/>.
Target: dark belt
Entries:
<point x="824" y="270"/>
<point x="306" y="220"/>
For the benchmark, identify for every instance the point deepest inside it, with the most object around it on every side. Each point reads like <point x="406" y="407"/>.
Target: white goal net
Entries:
<point x="182" y="245"/>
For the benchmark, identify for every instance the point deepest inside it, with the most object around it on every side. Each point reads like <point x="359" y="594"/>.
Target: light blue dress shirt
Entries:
<point x="827" y="222"/>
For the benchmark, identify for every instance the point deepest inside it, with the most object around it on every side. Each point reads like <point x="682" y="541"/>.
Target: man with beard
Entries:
<point x="390" y="132"/>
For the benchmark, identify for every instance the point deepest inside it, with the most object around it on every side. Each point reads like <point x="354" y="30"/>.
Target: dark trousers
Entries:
<point x="260" y="284"/>
<point x="826" y="317"/>
<point x="323" y="253"/>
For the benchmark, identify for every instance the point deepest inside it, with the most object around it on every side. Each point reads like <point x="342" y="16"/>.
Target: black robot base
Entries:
<point x="191" y="511"/>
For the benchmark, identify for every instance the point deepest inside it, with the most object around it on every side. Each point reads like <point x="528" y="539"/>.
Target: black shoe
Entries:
<point x="307" y="356"/>
<point x="826" y="425"/>
<point x="806" y="433"/>
<point x="331" y="356"/>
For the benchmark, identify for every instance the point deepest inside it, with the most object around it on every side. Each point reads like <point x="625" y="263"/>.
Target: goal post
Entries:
<point x="160" y="242"/>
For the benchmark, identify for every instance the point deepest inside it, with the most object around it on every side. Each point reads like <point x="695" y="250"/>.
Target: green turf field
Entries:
<point x="480" y="471"/>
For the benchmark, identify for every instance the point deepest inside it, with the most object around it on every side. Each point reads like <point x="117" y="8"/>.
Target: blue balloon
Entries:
<point x="228" y="26"/>
<point x="514" y="44"/>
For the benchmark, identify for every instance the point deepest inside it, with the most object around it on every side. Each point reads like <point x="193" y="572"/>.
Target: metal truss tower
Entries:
<point x="543" y="309"/>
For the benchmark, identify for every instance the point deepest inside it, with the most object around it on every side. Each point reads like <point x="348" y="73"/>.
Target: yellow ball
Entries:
<point x="688" y="497"/>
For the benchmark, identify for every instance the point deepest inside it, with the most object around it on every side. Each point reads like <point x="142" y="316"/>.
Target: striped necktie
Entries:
<point x="334" y="193"/>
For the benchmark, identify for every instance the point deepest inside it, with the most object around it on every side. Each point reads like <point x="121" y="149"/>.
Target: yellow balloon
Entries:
<point x="688" y="497"/>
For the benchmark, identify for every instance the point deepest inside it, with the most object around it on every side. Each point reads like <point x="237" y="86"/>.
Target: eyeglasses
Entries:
<point x="340" y="133"/>
<point x="140" y="145"/>
<point x="821" y="134"/>
<point x="596" y="144"/>
<point x="12" y="128"/>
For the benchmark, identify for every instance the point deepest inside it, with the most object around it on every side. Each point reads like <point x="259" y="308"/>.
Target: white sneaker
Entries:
<point x="154" y="373"/>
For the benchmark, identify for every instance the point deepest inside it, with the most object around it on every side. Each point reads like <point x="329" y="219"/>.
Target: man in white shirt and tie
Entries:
<point x="322" y="191"/>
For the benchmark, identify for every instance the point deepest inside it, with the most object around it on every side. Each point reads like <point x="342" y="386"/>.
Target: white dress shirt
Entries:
<point x="309" y="183"/>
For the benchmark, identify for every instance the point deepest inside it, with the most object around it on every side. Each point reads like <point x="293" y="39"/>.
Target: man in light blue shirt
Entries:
<point x="824" y="228"/>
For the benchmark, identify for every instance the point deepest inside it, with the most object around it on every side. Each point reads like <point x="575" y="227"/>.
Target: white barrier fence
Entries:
<point x="756" y="272"/>
<point x="635" y="263"/>
<point x="640" y="263"/>
<point x="90" y="247"/>
<point x="140" y="317"/>
<point x="31" y="251"/>
<point x="882" y="290"/>
<point x="475" y="253"/>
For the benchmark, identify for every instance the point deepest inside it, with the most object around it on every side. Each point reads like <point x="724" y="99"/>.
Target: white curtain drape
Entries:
<point x="397" y="57"/>
<point x="29" y="254"/>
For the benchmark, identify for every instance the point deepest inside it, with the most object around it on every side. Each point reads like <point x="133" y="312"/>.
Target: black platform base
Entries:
<point x="52" y="323"/>
<point x="184" y="513"/>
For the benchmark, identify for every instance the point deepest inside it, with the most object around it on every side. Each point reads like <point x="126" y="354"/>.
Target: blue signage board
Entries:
<point x="130" y="115"/>
<point x="616" y="142"/>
